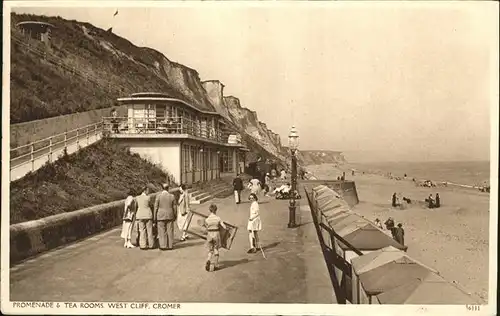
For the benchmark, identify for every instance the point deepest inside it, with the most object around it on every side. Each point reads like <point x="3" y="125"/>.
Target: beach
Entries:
<point x="453" y="239"/>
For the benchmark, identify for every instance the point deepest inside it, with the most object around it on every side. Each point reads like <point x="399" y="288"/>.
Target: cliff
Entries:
<point x="86" y="68"/>
<point x="317" y="157"/>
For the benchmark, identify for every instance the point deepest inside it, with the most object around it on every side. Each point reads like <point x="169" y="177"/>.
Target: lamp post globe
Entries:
<point x="293" y="143"/>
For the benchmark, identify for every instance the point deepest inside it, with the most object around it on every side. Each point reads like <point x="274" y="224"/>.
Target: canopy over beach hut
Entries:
<point x="383" y="271"/>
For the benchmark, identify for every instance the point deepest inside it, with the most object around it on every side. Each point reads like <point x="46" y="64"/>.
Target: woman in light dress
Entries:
<point x="128" y="219"/>
<point x="182" y="211"/>
<point x="254" y="224"/>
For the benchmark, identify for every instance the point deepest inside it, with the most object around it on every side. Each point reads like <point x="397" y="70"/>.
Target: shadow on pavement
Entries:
<point x="274" y="244"/>
<point x="184" y="244"/>
<point x="231" y="263"/>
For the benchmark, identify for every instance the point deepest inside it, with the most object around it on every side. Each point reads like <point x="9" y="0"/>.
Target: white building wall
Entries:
<point x="165" y="153"/>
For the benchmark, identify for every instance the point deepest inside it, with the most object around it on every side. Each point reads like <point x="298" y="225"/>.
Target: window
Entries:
<point x="186" y="158"/>
<point x="227" y="161"/>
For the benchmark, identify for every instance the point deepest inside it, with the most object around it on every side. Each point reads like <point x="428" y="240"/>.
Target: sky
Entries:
<point x="380" y="83"/>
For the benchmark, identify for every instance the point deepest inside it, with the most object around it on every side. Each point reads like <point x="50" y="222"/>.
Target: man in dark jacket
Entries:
<point x="238" y="187"/>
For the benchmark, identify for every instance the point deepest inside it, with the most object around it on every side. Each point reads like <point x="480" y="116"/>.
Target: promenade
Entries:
<point x="100" y="269"/>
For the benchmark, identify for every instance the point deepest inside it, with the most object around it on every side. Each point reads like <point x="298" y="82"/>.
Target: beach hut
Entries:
<point x="385" y="271"/>
<point x="432" y="289"/>
<point x="362" y="235"/>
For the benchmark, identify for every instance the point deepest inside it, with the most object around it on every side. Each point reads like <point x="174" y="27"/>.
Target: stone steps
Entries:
<point x="219" y="189"/>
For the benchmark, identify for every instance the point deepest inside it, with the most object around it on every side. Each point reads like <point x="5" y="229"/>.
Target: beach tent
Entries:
<point x="383" y="271"/>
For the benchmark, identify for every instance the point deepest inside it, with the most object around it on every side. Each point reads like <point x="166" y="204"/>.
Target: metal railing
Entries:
<point x="49" y="149"/>
<point x="167" y="125"/>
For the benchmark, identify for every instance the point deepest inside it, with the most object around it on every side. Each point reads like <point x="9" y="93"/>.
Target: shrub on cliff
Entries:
<point x="100" y="173"/>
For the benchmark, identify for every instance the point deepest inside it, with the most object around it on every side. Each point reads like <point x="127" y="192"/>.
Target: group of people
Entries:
<point x="398" y="233"/>
<point x="396" y="200"/>
<point x="145" y="221"/>
<point x="433" y="203"/>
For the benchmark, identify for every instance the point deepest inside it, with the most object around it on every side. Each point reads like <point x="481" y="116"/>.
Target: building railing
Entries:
<point x="48" y="149"/>
<point x="167" y="125"/>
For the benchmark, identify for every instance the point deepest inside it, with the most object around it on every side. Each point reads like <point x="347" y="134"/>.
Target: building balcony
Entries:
<point x="168" y="127"/>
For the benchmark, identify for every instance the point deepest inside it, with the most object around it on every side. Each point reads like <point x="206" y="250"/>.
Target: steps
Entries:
<point x="208" y="191"/>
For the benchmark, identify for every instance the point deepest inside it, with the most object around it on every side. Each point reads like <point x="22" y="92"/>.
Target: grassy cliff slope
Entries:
<point x="100" y="173"/>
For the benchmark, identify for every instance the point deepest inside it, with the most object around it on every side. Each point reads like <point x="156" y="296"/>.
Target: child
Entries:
<point x="254" y="224"/>
<point x="213" y="224"/>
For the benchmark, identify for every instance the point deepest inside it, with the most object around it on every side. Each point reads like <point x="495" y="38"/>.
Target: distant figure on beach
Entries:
<point x="438" y="200"/>
<point x="399" y="234"/>
<point x="378" y="223"/>
<point x="405" y="176"/>
<point x="394" y="200"/>
<point x="430" y="201"/>
<point x="343" y="176"/>
<point x="407" y="200"/>
<point x="353" y="173"/>
<point x="338" y="178"/>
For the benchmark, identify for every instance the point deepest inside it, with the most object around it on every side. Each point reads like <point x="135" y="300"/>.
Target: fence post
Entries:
<point x="32" y="158"/>
<point x="77" y="139"/>
<point x="66" y="140"/>
<point x="50" y="149"/>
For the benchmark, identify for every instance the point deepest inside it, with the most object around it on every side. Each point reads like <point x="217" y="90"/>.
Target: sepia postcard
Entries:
<point x="249" y="157"/>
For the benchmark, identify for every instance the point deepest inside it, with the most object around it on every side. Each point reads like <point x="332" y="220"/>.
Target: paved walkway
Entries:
<point x="100" y="269"/>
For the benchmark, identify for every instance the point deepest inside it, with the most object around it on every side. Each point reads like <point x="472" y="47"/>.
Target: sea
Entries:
<point x="458" y="172"/>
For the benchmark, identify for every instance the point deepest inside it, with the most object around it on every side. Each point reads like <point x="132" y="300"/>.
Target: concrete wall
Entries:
<point x="31" y="238"/>
<point x="164" y="152"/>
<point x="27" y="132"/>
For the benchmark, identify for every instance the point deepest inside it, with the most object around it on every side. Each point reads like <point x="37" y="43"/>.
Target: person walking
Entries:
<point x="144" y="216"/>
<point x="238" y="187"/>
<point x="254" y="224"/>
<point x="183" y="209"/>
<point x="213" y="223"/>
<point x="129" y="219"/>
<point x="165" y="215"/>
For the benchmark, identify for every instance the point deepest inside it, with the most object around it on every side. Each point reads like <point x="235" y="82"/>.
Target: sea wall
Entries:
<point x="27" y="132"/>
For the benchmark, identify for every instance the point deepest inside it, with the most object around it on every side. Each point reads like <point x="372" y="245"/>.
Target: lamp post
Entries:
<point x="293" y="143"/>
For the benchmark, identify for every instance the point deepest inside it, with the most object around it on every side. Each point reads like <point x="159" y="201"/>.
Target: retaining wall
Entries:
<point x="28" y="132"/>
<point x="31" y="238"/>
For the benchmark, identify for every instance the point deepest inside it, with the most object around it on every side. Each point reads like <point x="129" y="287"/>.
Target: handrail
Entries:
<point x="47" y="152"/>
<point x="55" y="136"/>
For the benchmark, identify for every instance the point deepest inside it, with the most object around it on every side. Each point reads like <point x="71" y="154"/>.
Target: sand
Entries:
<point x="452" y="239"/>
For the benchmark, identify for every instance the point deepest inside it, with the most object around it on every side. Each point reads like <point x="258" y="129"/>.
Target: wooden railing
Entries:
<point x="30" y="157"/>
